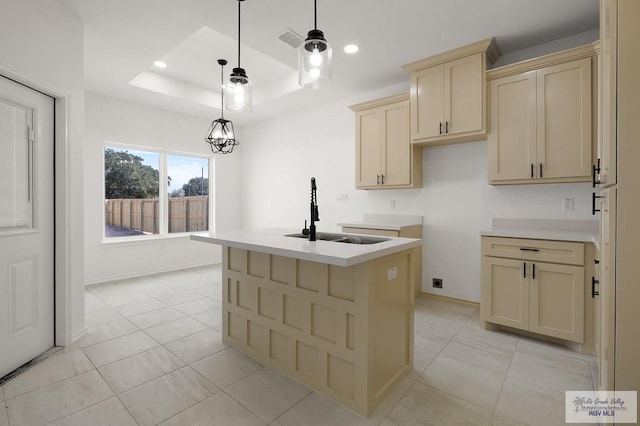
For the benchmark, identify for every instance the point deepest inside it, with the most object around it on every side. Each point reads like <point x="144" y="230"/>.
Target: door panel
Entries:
<point x="397" y="151"/>
<point x="463" y="94"/>
<point x="505" y="292"/>
<point x="26" y="225"/>
<point x="368" y="147"/>
<point x="564" y="119"/>
<point x="557" y="301"/>
<point x="512" y="135"/>
<point x="427" y="103"/>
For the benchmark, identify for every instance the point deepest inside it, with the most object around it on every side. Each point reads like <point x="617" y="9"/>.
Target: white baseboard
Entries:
<point x="150" y="272"/>
<point x="79" y="335"/>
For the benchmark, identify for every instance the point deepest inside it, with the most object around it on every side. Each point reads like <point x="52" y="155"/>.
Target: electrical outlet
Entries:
<point x="392" y="204"/>
<point x="342" y="197"/>
<point x="437" y="283"/>
<point x="567" y="204"/>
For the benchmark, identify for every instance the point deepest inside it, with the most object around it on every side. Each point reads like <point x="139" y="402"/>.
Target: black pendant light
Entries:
<point x="221" y="136"/>
<point x="239" y="86"/>
<point x="314" y="57"/>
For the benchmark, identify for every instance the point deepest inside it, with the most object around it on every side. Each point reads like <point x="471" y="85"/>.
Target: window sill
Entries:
<point x="148" y="239"/>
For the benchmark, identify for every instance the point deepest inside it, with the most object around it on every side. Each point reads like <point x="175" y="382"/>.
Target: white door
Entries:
<point x="26" y="225"/>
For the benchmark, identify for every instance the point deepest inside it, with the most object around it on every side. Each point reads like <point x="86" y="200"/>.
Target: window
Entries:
<point x="134" y="204"/>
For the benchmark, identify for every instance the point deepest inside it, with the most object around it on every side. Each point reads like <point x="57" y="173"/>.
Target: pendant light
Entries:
<point x="239" y="87"/>
<point x="314" y="57"/>
<point x="221" y="137"/>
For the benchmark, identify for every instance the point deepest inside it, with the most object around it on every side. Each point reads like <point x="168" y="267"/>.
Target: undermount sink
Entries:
<point x="342" y="238"/>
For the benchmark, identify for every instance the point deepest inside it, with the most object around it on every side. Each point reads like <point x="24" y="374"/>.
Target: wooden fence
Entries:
<point x="186" y="214"/>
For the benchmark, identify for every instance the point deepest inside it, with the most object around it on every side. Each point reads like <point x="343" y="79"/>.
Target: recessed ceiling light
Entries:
<point x="351" y="48"/>
<point x="160" y="64"/>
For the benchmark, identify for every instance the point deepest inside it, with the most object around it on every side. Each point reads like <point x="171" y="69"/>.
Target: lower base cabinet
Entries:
<point x="534" y="285"/>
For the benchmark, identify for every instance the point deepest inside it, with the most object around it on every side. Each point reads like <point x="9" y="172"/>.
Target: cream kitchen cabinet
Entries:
<point x="534" y="285"/>
<point x="448" y="95"/>
<point x="385" y="158"/>
<point x="541" y="119"/>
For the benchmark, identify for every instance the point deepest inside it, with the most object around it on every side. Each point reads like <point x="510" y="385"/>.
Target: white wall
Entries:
<point x="110" y="120"/>
<point x="41" y="46"/>
<point x="279" y="157"/>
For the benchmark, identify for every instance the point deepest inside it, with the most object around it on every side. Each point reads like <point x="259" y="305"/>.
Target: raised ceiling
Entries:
<point x="124" y="37"/>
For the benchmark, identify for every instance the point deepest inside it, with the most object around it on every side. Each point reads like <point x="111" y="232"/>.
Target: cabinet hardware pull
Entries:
<point x="383" y="179"/>
<point x="593" y="203"/>
<point x="446" y="127"/>
<point x="531" y="169"/>
<point x="377" y="179"/>
<point x="528" y="249"/>
<point x="533" y="271"/>
<point x="594" y="293"/>
<point x="524" y="266"/>
<point x="440" y="127"/>
<point x="594" y="172"/>
<point x="540" y="169"/>
<point x="596" y="261"/>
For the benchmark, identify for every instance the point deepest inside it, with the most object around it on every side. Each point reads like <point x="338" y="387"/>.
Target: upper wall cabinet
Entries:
<point x="385" y="158"/>
<point x="541" y="119"/>
<point x="448" y="95"/>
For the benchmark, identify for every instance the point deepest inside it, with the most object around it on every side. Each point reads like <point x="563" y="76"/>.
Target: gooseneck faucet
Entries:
<point x="314" y="211"/>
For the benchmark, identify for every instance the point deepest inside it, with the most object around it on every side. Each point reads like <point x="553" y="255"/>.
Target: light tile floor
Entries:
<point x="154" y="354"/>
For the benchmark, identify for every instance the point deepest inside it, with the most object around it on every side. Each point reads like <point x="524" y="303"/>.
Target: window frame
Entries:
<point x="163" y="195"/>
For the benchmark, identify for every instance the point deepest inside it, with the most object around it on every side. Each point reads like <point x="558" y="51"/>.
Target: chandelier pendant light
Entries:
<point x="221" y="137"/>
<point x="314" y="57"/>
<point x="239" y="87"/>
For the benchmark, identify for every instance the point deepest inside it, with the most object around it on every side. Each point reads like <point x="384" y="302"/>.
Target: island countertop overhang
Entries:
<point x="274" y="241"/>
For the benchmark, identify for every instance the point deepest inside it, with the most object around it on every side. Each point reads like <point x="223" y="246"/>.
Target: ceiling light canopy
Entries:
<point x="314" y="57"/>
<point x="239" y="87"/>
<point x="221" y="137"/>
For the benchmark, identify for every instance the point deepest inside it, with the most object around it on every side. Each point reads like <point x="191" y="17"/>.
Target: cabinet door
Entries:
<point x="368" y="147"/>
<point x="427" y="103"/>
<point x="396" y="161"/>
<point x="607" y="297"/>
<point x="564" y="120"/>
<point x="512" y="134"/>
<point x="463" y="100"/>
<point x="505" y="292"/>
<point x="557" y="301"/>
<point x="607" y="82"/>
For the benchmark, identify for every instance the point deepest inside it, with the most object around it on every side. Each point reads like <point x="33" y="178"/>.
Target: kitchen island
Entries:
<point x="336" y="316"/>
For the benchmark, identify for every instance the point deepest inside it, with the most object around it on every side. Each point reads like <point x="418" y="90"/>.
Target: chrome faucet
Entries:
<point x="311" y="232"/>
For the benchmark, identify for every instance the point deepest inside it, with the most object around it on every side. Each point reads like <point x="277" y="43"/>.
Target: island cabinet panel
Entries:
<point x="346" y="332"/>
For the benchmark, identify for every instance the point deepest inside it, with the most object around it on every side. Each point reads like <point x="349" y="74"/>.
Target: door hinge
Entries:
<point x="30" y="133"/>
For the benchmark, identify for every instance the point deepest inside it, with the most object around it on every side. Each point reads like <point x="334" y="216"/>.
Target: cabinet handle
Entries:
<point x="528" y="249"/>
<point x="533" y="271"/>
<point x="594" y="293"/>
<point x="377" y="179"/>
<point x="540" y="169"/>
<point x="593" y="203"/>
<point x="524" y="266"/>
<point x="440" y="127"/>
<point x="596" y="261"/>
<point x="594" y="172"/>
<point x="531" y="169"/>
<point x="383" y="179"/>
<point x="446" y="127"/>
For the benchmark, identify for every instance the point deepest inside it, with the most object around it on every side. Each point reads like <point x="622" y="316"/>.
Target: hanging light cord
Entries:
<point x="222" y="91"/>
<point x="315" y="14"/>
<point x="239" y="1"/>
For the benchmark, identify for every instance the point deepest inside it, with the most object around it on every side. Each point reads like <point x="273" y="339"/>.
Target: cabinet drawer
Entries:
<point x="540" y="250"/>
<point x="370" y="231"/>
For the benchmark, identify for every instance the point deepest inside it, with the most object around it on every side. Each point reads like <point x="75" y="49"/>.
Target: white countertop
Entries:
<point x="273" y="241"/>
<point x="383" y="221"/>
<point x="584" y="231"/>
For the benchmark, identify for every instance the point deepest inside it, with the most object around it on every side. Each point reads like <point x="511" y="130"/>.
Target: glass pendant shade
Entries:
<point x="314" y="57"/>
<point x="239" y="91"/>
